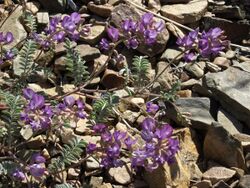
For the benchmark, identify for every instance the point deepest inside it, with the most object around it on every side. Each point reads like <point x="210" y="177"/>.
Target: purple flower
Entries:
<point x="36" y="102"/>
<point x="104" y="44"/>
<point x="147" y="19"/>
<point x="151" y="107"/>
<point x="159" y="26"/>
<point x="113" y="34"/>
<point x="91" y="148"/>
<point x="68" y="24"/>
<point x="129" y="25"/>
<point x="150" y="36"/>
<point x="99" y="128"/>
<point x="190" y="56"/>
<point x="18" y="175"/>
<point x="8" y="38"/>
<point x="129" y="142"/>
<point x="69" y="101"/>
<point x="36" y="170"/>
<point x="132" y="43"/>
<point x="9" y="55"/>
<point x="75" y="17"/>
<point x="148" y="124"/>
<point x="59" y="37"/>
<point x="28" y="93"/>
<point x="37" y="158"/>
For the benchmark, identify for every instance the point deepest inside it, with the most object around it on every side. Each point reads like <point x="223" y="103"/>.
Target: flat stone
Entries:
<point x="222" y="62"/>
<point x="42" y="18"/>
<point x="212" y="67"/>
<point x="154" y="5"/>
<point x="232" y="91"/>
<point x="245" y="141"/>
<point x="229" y="27"/>
<point x="13" y="25"/>
<point x="96" y="33"/>
<point x="244" y="182"/>
<point x="33" y="7"/>
<point x="232" y="125"/>
<point x="215" y="174"/>
<point x="100" y="10"/>
<point x="60" y="49"/>
<point x="199" y="109"/>
<point x="123" y="12"/>
<point x="121" y="174"/>
<point x="174" y="1"/>
<point x="221" y="184"/>
<point x="185" y="13"/>
<point x="170" y="54"/>
<point x="55" y="6"/>
<point x="112" y="79"/>
<point x="166" y="79"/>
<point x="95" y="182"/>
<point x="202" y="184"/>
<point x="92" y="164"/>
<point x="229" y="12"/>
<point x="195" y="69"/>
<point x="219" y="143"/>
<point x="87" y="52"/>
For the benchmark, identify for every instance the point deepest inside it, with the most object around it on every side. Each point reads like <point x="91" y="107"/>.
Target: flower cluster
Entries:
<point x="207" y="44"/>
<point x="151" y="107"/>
<point x="71" y="109"/>
<point x="159" y="146"/>
<point x="36" y="114"/>
<point x="110" y="145"/>
<point x="131" y="31"/>
<point x="6" y="39"/>
<point x="36" y="168"/>
<point x="61" y="27"/>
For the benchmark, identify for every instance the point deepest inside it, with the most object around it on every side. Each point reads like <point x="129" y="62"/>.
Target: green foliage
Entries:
<point x="7" y="167"/>
<point x="171" y="94"/>
<point x="70" y="153"/>
<point x="30" y="22"/>
<point x="27" y="54"/>
<point x="75" y="64"/>
<point x="102" y="108"/>
<point x="64" y="185"/>
<point x="140" y="69"/>
<point x="12" y="115"/>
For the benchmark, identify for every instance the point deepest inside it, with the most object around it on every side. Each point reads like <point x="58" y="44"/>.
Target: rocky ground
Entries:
<point x="211" y="115"/>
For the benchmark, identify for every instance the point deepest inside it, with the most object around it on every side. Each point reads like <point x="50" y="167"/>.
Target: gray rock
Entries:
<point x="229" y="12"/>
<point x="112" y="79"/>
<point x="92" y="164"/>
<point x="55" y="6"/>
<point x="96" y="33"/>
<point x="221" y="184"/>
<point x="222" y="62"/>
<point x="232" y="91"/>
<point x="122" y="12"/>
<point x="100" y="10"/>
<point x="203" y="184"/>
<point x="13" y="25"/>
<point x="154" y="5"/>
<point x="199" y="109"/>
<point x="87" y="52"/>
<point x="95" y="182"/>
<point x="42" y="18"/>
<point x="232" y="125"/>
<point x="185" y="13"/>
<point x="212" y="67"/>
<point x="174" y="1"/>
<point x="229" y="27"/>
<point x="245" y="141"/>
<point x="244" y="182"/>
<point x="216" y="174"/>
<point x="121" y="175"/>
<point x="219" y="143"/>
<point x="166" y="79"/>
<point x="170" y="54"/>
<point x="195" y="69"/>
<point x="245" y="66"/>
